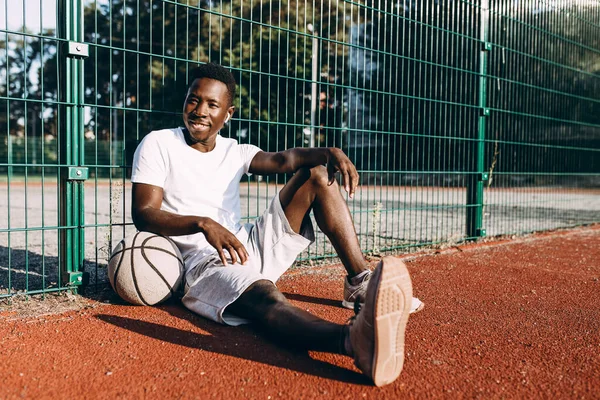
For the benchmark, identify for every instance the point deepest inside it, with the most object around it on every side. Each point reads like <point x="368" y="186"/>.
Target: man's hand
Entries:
<point x="338" y="161"/>
<point x="148" y="216"/>
<point x="221" y="239"/>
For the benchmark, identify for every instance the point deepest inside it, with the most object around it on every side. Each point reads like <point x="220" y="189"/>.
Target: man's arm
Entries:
<point x="147" y="216"/>
<point x="292" y="160"/>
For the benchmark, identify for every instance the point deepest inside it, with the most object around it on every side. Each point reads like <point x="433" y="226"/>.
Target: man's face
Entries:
<point x="206" y="109"/>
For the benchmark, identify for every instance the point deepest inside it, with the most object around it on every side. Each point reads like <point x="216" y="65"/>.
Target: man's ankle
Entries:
<point x="358" y="278"/>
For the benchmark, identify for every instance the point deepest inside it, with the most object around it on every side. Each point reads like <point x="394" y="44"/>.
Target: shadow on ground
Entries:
<point x="312" y="299"/>
<point x="23" y="270"/>
<point x="246" y="342"/>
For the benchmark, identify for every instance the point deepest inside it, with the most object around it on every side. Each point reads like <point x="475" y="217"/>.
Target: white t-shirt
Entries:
<point x="194" y="183"/>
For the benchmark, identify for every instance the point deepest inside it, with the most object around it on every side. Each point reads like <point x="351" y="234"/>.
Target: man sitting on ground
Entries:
<point x="186" y="186"/>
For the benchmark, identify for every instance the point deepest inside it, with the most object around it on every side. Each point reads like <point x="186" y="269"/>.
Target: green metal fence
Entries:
<point x="464" y="118"/>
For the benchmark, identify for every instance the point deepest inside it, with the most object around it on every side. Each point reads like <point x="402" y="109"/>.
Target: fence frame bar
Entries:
<point x="474" y="214"/>
<point x="71" y="149"/>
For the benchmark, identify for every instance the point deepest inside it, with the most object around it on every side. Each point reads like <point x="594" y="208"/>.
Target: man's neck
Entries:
<point x="203" y="146"/>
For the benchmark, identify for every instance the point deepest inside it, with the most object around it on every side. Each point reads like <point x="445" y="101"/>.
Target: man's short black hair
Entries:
<point x="216" y="72"/>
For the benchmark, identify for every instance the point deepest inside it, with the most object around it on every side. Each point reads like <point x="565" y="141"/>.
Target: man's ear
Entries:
<point x="229" y="113"/>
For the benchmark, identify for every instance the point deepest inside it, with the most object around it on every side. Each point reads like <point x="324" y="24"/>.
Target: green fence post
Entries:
<point x="71" y="151"/>
<point x="479" y="176"/>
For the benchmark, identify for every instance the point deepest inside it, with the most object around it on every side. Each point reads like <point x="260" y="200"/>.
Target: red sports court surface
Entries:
<point x="512" y="319"/>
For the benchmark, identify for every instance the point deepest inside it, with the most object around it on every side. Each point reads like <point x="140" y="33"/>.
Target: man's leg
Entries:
<point x="263" y="303"/>
<point x="375" y="339"/>
<point x="308" y="189"/>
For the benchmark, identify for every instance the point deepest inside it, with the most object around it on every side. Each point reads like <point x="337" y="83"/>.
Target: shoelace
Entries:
<point x="357" y="307"/>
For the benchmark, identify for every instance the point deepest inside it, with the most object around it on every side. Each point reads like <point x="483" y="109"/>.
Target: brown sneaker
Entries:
<point x="357" y="292"/>
<point x="377" y="332"/>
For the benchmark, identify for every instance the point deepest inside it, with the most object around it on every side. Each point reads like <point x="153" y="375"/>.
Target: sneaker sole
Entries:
<point x="350" y="306"/>
<point x="392" y="308"/>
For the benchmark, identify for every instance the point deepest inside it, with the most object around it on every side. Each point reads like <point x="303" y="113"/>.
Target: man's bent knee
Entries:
<point x="318" y="176"/>
<point x="258" y="302"/>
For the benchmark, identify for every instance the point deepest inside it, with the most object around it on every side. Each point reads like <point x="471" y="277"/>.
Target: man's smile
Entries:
<point x="198" y="124"/>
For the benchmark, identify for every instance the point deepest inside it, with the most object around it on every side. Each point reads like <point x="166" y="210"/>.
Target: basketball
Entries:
<point x="145" y="268"/>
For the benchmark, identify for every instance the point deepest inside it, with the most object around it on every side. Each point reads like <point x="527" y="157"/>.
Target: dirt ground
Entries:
<point x="510" y="319"/>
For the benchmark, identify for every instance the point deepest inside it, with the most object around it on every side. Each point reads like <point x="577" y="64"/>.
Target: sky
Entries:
<point x="38" y="14"/>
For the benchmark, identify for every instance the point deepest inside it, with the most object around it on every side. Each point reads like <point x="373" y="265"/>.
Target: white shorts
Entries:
<point x="273" y="247"/>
